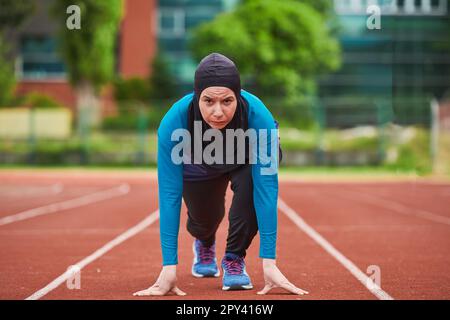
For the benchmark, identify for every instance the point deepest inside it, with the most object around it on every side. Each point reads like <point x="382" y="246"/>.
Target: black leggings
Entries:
<point x="205" y="201"/>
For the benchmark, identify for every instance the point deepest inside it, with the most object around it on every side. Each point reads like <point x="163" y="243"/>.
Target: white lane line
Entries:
<point x="57" y="188"/>
<point x="67" y="204"/>
<point x="328" y="247"/>
<point x="95" y="255"/>
<point x="393" y="206"/>
<point x="30" y="191"/>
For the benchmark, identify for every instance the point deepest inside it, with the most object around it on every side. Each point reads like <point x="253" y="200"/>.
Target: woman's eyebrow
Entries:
<point x="211" y="98"/>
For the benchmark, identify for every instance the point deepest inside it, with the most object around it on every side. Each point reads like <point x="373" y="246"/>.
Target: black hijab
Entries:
<point x="217" y="70"/>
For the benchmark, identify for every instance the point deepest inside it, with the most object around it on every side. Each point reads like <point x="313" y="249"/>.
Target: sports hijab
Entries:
<point x="216" y="70"/>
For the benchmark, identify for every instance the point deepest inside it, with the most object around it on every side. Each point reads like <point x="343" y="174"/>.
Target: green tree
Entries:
<point x="324" y="7"/>
<point x="89" y="52"/>
<point x="162" y="83"/>
<point x="132" y="89"/>
<point x="281" y="45"/>
<point x="7" y="79"/>
<point x="12" y="14"/>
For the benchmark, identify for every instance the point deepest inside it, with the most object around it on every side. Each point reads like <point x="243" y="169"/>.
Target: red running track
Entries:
<point x="329" y="235"/>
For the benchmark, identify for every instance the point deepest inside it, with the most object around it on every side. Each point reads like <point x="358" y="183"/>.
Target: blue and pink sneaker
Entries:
<point x="235" y="276"/>
<point x="205" y="262"/>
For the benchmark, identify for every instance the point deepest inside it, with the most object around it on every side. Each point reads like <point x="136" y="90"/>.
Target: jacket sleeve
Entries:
<point x="170" y="181"/>
<point x="264" y="174"/>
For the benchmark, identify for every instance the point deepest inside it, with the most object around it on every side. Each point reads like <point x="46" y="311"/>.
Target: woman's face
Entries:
<point x="217" y="106"/>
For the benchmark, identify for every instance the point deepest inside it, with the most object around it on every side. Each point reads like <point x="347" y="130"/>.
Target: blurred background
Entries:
<point x="351" y="89"/>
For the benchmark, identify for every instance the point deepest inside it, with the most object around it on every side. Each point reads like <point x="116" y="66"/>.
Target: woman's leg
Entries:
<point x="205" y="201"/>
<point x="243" y="225"/>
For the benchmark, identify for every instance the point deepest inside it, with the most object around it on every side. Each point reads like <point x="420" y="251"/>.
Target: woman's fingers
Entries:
<point x="266" y="289"/>
<point x="292" y="288"/>
<point x="140" y="293"/>
<point x="155" y="290"/>
<point x="146" y="292"/>
<point x="178" y="292"/>
<point x="149" y="292"/>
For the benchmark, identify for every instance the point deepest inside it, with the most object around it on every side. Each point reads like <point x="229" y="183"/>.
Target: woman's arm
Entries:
<point x="170" y="190"/>
<point x="264" y="173"/>
<point x="265" y="192"/>
<point x="170" y="180"/>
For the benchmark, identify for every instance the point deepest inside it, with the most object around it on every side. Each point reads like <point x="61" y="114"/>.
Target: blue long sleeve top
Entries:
<point x="265" y="177"/>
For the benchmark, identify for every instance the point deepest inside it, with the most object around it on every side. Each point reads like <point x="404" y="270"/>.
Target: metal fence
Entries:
<point x="341" y="131"/>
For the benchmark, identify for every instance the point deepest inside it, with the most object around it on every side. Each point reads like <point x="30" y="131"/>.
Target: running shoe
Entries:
<point x="235" y="276"/>
<point x="205" y="262"/>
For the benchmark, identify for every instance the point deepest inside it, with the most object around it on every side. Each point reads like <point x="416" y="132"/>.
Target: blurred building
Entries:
<point x="407" y="60"/>
<point x="39" y="66"/>
<point x="146" y="25"/>
<point x="407" y="57"/>
<point x="176" y="19"/>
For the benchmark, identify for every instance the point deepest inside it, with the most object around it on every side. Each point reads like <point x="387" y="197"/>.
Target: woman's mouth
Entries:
<point x="218" y="123"/>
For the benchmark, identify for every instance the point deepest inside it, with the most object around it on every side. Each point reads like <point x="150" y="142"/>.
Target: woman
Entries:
<point x="219" y="104"/>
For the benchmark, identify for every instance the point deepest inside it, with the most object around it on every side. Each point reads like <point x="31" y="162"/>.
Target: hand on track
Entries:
<point x="166" y="283"/>
<point x="273" y="278"/>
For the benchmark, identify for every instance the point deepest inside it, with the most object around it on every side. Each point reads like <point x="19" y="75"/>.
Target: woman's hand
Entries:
<point x="166" y="283"/>
<point x="274" y="278"/>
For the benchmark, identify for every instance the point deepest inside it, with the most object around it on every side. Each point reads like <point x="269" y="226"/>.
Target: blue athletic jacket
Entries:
<point x="170" y="178"/>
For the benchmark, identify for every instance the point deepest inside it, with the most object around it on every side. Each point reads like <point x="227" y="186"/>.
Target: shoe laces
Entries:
<point x="234" y="265"/>
<point x="206" y="254"/>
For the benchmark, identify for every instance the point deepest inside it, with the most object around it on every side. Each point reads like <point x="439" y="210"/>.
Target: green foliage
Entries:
<point x="161" y="80"/>
<point x="133" y="89"/>
<point x="40" y="100"/>
<point x="122" y="122"/>
<point x="133" y="117"/>
<point x="7" y="79"/>
<point x="142" y="102"/>
<point x="280" y="45"/>
<point x="14" y="12"/>
<point x="160" y="84"/>
<point x="89" y="52"/>
<point x="325" y="7"/>
<point x="414" y="155"/>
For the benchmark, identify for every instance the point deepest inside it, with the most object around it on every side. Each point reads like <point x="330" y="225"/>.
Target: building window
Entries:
<point x="171" y="22"/>
<point x="39" y="58"/>
<point x="393" y="7"/>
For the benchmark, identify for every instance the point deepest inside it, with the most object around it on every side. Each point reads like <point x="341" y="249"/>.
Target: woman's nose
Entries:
<point x="217" y="111"/>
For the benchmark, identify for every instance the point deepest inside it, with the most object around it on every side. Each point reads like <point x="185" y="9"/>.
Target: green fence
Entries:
<point x="314" y="131"/>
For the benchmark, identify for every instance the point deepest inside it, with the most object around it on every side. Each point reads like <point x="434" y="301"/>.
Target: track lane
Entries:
<point x="411" y="252"/>
<point x="434" y="199"/>
<point x="137" y="263"/>
<point x="35" y="251"/>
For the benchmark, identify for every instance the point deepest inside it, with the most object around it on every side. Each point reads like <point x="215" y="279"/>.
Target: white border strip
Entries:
<point x="328" y="247"/>
<point x="97" y="254"/>
<point x="67" y="204"/>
